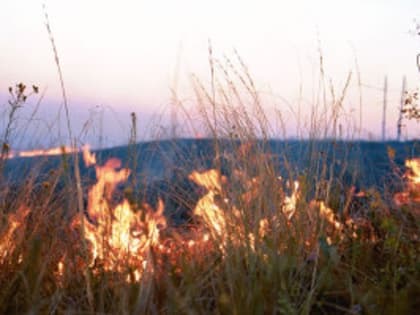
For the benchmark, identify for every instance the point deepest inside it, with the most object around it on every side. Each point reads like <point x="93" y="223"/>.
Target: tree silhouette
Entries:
<point x="411" y="109"/>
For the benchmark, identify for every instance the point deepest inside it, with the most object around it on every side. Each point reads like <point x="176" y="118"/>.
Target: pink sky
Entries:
<point x="123" y="55"/>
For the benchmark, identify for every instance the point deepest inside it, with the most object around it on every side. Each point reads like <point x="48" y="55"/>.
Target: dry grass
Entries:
<point x="327" y="252"/>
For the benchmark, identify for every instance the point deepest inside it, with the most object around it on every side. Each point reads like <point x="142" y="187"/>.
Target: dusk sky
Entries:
<point x="123" y="56"/>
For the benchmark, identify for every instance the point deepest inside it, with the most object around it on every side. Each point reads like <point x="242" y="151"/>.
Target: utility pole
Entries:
<point x="174" y="121"/>
<point x="384" y="109"/>
<point x="175" y="101"/>
<point x="402" y="101"/>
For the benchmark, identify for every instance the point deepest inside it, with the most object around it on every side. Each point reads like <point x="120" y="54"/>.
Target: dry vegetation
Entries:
<point x="255" y="243"/>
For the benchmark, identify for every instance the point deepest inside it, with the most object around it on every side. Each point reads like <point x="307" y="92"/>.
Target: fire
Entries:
<point x="88" y="157"/>
<point x="412" y="192"/>
<point x="7" y="237"/>
<point x="43" y="152"/>
<point x="289" y="205"/>
<point x="221" y="217"/>
<point x="414" y="165"/>
<point x="123" y="237"/>
<point x="207" y="208"/>
<point x="120" y="236"/>
<point x="224" y="219"/>
<point x="328" y="214"/>
<point x="60" y="271"/>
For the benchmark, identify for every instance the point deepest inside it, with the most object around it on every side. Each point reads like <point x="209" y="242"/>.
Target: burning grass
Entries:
<point x="256" y="243"/>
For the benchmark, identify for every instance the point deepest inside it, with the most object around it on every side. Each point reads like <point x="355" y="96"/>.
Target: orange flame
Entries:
<point x="7" y="239"/>
<point x="289" y="203"/>
<point x="328" y="214"/>
<point x="88" y="157"/>
<point x="44" y="152"/>
<point x="412" y="192"/>
<point x="219" y="215"/>
<point x="119" y="235"/>
<point x="414" y="165"/>
<point x="207" y="208"/>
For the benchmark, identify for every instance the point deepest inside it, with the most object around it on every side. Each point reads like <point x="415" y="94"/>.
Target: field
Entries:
<point x="239" y="222"/>
<point x="204" y="226"/>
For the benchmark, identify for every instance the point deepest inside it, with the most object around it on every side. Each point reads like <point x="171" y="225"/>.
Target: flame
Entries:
<point x="207" y="208"/>
<point x="44" y="152"/>
<point x="414" y="165"/>
<point x="88" y="157"/>
<point x="60" y="272"/>
<point x="328" y="214"/>
<point x="221" y="218"/>
<point x="414" y="179"/>
<point x="289" y="203"/>
<point x="124" y="237"/>
<point x="224" y="220"/>
<point x="7" y="239"/>
<point x="120" y="236"/>
<point x="412" y="191"/>
<point x="263" y="227"/>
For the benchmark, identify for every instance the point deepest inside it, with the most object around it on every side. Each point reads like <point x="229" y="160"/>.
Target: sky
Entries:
<point x="119" y="57"/>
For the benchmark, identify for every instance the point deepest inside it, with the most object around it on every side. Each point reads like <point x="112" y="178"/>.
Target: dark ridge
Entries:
<point x="160" y="169"/>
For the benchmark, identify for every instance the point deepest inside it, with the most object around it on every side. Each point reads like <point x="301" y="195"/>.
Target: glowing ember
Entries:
<point x="60" y="272"/>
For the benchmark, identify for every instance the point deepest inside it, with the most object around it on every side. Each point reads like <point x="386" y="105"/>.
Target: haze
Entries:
<point x="126" y="56"/>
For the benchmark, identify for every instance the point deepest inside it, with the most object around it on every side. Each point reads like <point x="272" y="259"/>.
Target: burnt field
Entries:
<point x="213" y="226"/>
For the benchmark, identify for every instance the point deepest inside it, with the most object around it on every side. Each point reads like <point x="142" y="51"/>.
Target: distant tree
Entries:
<point x="411" y="108"/>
